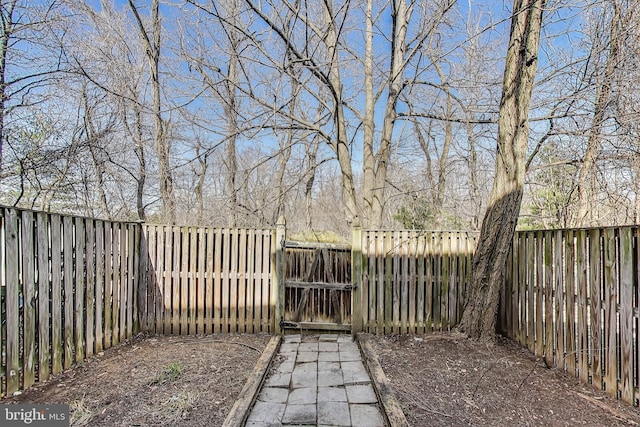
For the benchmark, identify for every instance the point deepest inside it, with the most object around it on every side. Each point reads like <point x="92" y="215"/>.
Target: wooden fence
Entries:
<point x="203" y="280"/>
<point x="571" y="297"/>
<point x="412" y="281"/>
<point x="68" y="287"/>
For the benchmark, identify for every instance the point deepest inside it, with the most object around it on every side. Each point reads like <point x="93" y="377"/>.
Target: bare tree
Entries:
<point x="498" y="226"/>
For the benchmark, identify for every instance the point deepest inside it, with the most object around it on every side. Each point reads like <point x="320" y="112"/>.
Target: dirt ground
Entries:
<point x="443" y="380"/>
<point x="155" y="381"/>
<point x="439" y="380"/>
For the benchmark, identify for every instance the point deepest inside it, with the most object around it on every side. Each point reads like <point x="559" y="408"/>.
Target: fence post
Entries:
<point x="356" y="278"/>
<point x="279" y="271"/>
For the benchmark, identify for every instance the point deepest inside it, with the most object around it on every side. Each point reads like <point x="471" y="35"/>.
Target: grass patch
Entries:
<point x="168" y="373"/>
<point x="179" y="405"/>
<point x="79" y="413"/>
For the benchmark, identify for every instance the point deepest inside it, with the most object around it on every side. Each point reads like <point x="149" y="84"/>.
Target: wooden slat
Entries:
<point x="184" y="305"/>
<point x="191" y="280"/>
<point x="79" y="290"/>
<point x="210" y="297"/>
<point x="570" y="290"/>
<point x="116" y="295"/>
<point x="201" y="275"/>
<point x="89" y="326"/>
<point x="176" y="291"/>
<point x="559" y="298"/>
<point x="225" y="302"/>
<point x="610" y="315"/>
<point x="582" y="333"/>
<point x="540" y="295"/>
<point x="100" y="287"/>
<point x="218" y="284"/>
<point x="420" y="285"/>
<point x="132" y="279"/>
<point x="29" y="299"/>
<point x="437" y="281"/>
<point x="68" y="239"/>
<point x="12" y="289"/>
<point x="56" y="295"/>
<point x="108" y="283"/>
<point x="429" y="286"/>
<point x="530" y="291"/>
<point x="549" y="297"/>
<point x="242" y="281"/>
<point x="44" y="286"/>
<point x="404" y="288"/>
<point x="626" y="314"/>
<point x="595" y="273"/>
<point x="267" y="303"/>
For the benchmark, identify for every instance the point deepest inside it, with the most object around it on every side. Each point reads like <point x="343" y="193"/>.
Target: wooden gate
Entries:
<point x="317" y="286"/>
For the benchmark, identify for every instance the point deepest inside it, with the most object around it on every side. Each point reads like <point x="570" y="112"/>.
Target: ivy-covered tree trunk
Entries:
<point x="498" y="227"/>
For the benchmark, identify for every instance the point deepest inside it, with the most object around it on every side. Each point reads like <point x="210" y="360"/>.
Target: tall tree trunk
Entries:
<point x="498" y="227"/>
<point x="586" y="183"/>
<point x="6" y="12"/>
<point x="163" y="147"/>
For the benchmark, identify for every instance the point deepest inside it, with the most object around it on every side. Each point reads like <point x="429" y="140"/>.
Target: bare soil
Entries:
<point x="446" y="380"/>
<point x="155" y="381"/>
<point x="439" y="380"/>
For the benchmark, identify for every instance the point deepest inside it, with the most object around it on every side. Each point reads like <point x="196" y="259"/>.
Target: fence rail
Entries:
<point x="68" y="287"/>
<point x="571" y="297"/>
<point x="414" y="281"/>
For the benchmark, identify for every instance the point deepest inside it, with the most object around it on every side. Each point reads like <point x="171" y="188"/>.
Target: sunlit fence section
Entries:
<point x="414" y="281"/>
<point x="571" y="297"/>
<point x="68" y="289"/>
<point x="202" y="280"/>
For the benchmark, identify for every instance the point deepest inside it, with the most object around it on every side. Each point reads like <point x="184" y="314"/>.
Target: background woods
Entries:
<point x="234" y="112"/>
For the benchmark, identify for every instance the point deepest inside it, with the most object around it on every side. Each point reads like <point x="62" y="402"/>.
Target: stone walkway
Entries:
<point x="317" y="380"/>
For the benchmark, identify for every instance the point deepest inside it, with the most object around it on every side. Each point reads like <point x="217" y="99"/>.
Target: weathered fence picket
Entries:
<point x="580" y="292"/>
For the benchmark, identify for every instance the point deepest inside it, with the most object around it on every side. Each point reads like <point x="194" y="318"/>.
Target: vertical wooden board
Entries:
<point x="44" y="287"/>
<point x="437" y="280"/>
<point x="68" y="240"/>
<point x="233" y="281"/>
<point x="582" y="332"/>
<point x="570" y="291"/>
<point x="515" y="289"/>
<point x="540" y="301"/>
<point x="549" y="269"/>
<point x="380" y="282"/>
<point x="454" y="256"/>
<point x="404" y="290"/>
<point x="610" y="312"/>
<point x="395" y="282"/>
<point x="157" y="269"/>
<point x="531" y="288"/>
<point x="428" y="278"/>
<point x="559" y="298"/>
<point x="626" y="314"/>
<point x="133" y="254"/>
<point x="371" y="284"/>
<point x="388" y="283"/>
<point x="12" y="295"/>
<point x="251" y="326"/>
<point x="29" y="299"/>
<point x="138" y="288"/>
<point x="165" y="271"/>
<point x="108" y="282"/>
<point x="100" y="287"/>
<point x="89" y="326"/>
<point x="79" y="289"/>
<point x="268" y="300"/>
<point x="420" y="285"/>
<point x="149" y="252"/>
<point x="225" y="301"/>
<point x="210" y="299"/>
<point x="413" y="281"/>
<point x="116" y="283"/>
<point x="522" y="289"/>
<point x="445" y="277"/>
<point x="595" y="273"/>
<point x="218" y="284"/>
<point x="365" y="245"/>
<point x="3" y="241"/>
<point x="201" y="277"/>
<point x="255" y="269"/>
<point x="56" y="295"/>
<point x="176" y="274"/>
<point x="184" y="281"/>
<point x="242" y="280"/>
<point x="262" y="302"/>
<point x="192" y="279"/>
